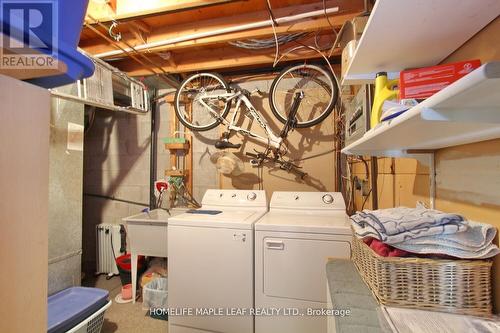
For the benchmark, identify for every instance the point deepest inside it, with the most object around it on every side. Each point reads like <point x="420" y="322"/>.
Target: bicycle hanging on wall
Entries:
<point x="300" y="96"/>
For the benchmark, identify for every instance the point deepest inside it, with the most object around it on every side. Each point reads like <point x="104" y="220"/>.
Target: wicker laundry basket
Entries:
<point x="456" y="286"/>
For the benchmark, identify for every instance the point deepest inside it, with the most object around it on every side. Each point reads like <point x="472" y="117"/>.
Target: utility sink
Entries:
<point x="147" y="232"/>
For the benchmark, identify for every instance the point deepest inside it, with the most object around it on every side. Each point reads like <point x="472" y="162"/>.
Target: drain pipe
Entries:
<point x="248" y="26"/>
<point x="153" y="152"/>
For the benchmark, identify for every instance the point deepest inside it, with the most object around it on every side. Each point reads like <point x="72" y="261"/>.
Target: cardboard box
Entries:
<point x="424" y="82"/>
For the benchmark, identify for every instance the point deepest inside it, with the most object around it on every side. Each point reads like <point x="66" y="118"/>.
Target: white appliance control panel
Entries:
<point x="235" y="198"/>
<point x="308" y="200"/>
<point x="328" y="199"/>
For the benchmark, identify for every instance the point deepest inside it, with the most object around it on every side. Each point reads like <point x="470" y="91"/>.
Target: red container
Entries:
<point x="124" y="264"/>
<point x="424" y="82"/>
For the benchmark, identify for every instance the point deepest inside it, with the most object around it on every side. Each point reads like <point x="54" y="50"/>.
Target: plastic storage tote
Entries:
<point x="77" y="310"/>
<point x="155" y="294"/>
<point x="69" y="15"/>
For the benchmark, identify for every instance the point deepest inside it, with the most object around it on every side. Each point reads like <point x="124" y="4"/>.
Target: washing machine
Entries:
<point x="210" y="263"/>
<point x="292" y="244"/>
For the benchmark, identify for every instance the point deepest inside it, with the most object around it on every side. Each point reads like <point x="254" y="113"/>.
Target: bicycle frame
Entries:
<point x="271" y="140"/>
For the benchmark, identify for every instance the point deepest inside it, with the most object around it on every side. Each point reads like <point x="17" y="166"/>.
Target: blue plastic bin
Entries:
<point x="70" y="14"/>
<point x="71" y="306"/>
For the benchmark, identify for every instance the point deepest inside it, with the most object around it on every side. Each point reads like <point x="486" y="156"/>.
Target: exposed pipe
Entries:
<point x="164" y="77"/>
<point x="65" y="256"/>
<point x="432" y="179"/>
<point x="374" y="178"/>
<point x="116" y="199"/>
<point x="248" y="26"/>
<point x="153" y="153"/>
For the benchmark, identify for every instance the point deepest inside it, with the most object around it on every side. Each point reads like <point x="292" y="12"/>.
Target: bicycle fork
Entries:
<point x="291" y="121"/>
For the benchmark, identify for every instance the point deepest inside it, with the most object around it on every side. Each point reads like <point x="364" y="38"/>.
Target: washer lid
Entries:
<point x="305" y="223"/>
<point x="233" y="219"/>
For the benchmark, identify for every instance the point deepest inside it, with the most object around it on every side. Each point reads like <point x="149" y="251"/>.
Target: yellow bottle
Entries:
<point x="384" y="89"/>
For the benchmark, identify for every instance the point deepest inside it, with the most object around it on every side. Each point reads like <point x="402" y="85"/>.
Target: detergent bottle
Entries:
<point x="384" y="89"/>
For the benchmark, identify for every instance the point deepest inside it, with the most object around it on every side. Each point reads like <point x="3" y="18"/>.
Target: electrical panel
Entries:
<point x="357" y="115"/>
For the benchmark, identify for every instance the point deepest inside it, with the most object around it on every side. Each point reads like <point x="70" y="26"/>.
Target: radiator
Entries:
<point x="108" y="234"/>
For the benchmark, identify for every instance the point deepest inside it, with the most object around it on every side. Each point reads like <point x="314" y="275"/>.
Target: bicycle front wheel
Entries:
<point x="197" y="103"/>
<point x="319" y="88"/>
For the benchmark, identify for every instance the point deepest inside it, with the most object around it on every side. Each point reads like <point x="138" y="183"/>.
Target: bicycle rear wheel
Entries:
<point x="195" y="90"/>
<point x="319" y="88"/>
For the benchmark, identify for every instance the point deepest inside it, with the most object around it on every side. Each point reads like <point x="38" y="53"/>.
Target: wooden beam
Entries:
<point x="173" y="6"/>
<point x="139" y="24"/>
<point x="213" y="59"/>
<point x="349" y="9"/>
<point x="138" y="34"/>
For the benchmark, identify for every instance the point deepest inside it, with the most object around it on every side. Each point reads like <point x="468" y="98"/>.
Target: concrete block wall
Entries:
<point x="204" y="172"/>
<point x="205" y="175"/>
<point x="65" y="194"/>
<point x="117" y="164"/>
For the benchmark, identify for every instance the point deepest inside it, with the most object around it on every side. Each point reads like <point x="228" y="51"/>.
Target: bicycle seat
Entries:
<point x="223" y="144"/>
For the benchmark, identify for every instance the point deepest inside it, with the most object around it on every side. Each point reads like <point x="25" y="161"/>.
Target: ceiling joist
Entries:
<point x="211" y="59"/>
<point x="212" y="52"/>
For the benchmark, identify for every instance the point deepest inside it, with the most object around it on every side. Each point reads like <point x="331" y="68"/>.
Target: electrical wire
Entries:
<point x="328" y="20"/>
<point x="350" y="192"/>
<point x="277" y="45"/>
<point x="337" y="40"/>
<point x="266" y="43"/>
<point x="366" y="199"/>
<point x="268" y="3"/>
<point x="322" y="55"/>
<point x="115" y="43"/>
<point x="260" y="174"/>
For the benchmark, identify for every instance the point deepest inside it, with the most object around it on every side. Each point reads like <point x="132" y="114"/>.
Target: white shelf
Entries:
<point x="403" y="34"/>
<point x="466" y="111"/>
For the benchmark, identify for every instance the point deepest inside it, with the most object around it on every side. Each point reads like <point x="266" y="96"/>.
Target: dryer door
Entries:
<point x="295" y="267"/>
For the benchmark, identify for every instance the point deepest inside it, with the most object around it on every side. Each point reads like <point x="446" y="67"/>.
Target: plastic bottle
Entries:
<point x="384" y="89"/>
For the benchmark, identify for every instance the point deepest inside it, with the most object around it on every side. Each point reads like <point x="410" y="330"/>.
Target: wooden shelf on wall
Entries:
<point x="412" y="33"/>
<point x="466" y="111"/>
<point x="177" y="146"/>
<point x="177" y="173"/>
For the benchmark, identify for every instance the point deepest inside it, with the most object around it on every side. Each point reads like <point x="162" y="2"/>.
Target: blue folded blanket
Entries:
<point x="474" y="243"/>
<point x="396" y="225"/>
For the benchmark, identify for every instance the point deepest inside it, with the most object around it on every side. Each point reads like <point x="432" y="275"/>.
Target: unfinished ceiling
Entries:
<point x="159" y="29"/>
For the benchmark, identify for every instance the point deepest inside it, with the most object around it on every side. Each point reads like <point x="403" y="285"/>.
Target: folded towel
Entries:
<point x="395" y="225"/>
<point x="474" y="243"/>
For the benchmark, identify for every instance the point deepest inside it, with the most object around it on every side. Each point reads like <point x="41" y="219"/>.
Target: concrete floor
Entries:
<point x="125" y="318"/>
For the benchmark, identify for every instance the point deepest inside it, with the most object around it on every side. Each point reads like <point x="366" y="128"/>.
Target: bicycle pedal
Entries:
<point x="254" y="163"/>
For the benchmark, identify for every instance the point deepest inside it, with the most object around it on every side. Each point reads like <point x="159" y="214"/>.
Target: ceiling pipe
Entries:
<point x="242" y="27"/>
